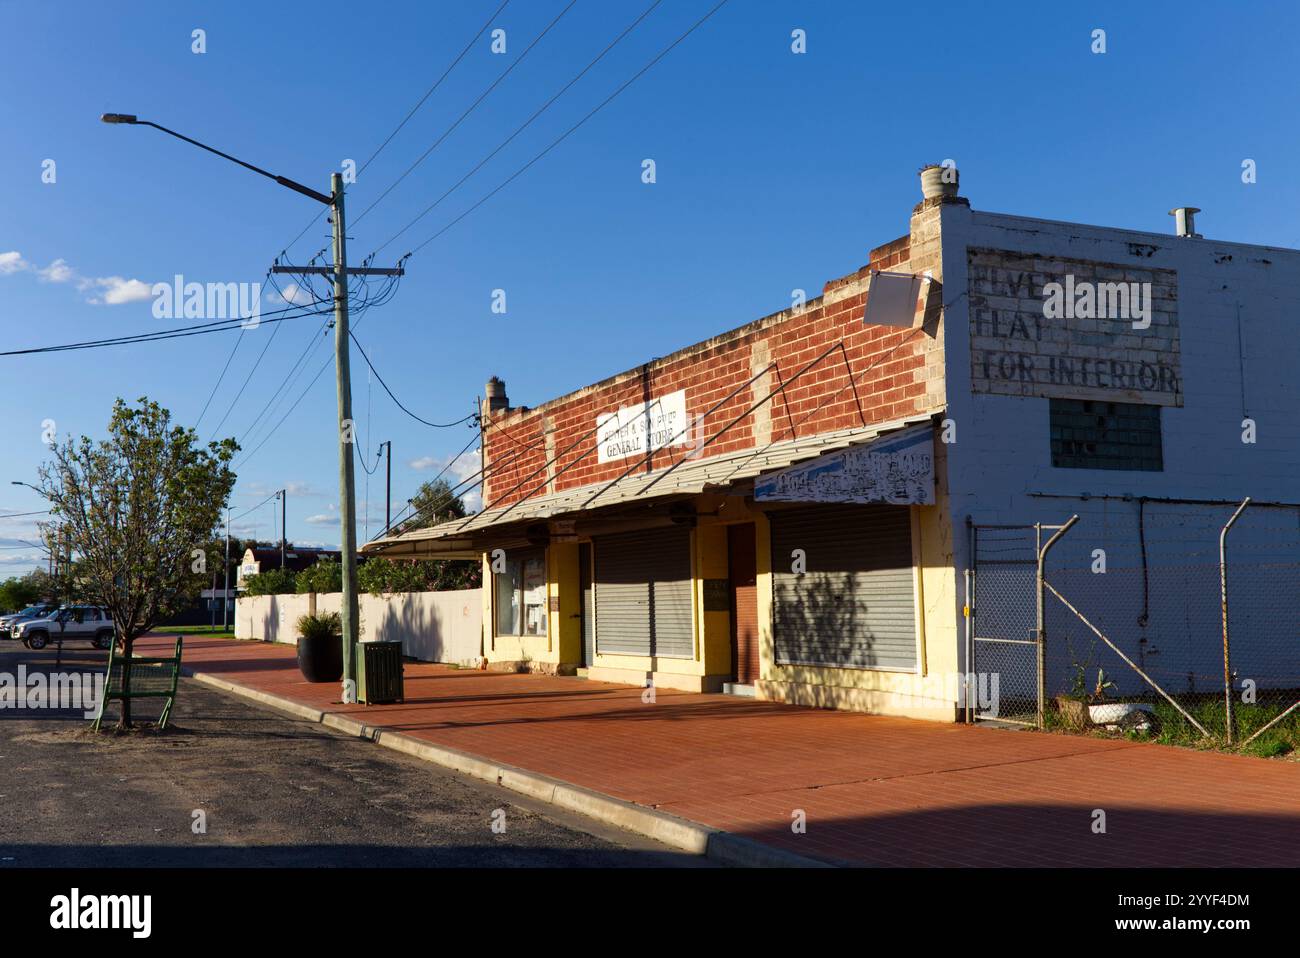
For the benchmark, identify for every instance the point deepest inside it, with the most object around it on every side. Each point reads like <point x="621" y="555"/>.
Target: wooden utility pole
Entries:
<point x="339" y="273"/>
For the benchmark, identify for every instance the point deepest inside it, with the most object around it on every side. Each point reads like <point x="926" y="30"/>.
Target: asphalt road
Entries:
<point x="273" y="790"/>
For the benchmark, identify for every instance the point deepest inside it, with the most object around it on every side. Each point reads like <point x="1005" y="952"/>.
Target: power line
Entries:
<point x="181" y="332"/>
<point x="256" y="507"/>
<point x="411" y="112"/>
<point x="472" y="107"/>
<point x="217" y="385"/>
<point x="435" y="425"/>
<point x="428" y="93"/>
<point x="260" y="356"/>
<point x="542" y="109"/>
<point x="447" y="496"/>
<point x="567" y="133"/>
<point x="291" y="377"/>
<point x="484" y="472"/>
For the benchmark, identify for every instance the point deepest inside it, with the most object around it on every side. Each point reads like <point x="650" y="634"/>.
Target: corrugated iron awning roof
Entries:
<point x="460" y="538"/>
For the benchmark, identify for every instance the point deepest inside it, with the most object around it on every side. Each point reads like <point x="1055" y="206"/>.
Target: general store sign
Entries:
<point x="636" y="430"/>
<point x="897" y="469"/>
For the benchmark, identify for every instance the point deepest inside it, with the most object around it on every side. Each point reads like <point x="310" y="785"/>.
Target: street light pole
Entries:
<point x="339" y="273"/>
<point x="50" y="557"/>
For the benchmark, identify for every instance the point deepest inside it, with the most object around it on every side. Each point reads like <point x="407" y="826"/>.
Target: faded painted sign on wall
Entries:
<point x="898" y="468"/>
<point x="1074" y="329"/>
<point x="636" y="430"/>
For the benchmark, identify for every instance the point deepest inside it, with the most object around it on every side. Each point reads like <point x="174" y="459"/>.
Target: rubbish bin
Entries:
<point x="379" y="672"/>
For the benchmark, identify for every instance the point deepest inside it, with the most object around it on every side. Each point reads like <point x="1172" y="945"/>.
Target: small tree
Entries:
<point x="432" y="503"/>
<point x="137" y="508"/>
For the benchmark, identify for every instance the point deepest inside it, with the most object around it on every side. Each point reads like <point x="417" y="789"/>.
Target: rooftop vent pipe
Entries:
<point x="1185" y="222"/>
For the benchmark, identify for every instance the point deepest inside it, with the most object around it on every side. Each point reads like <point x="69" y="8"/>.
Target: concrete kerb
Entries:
<point x="713" y="843"/>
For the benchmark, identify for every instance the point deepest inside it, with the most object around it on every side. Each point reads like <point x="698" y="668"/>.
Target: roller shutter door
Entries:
<point x="853" y="607"/>
<point x="643" y="593"/>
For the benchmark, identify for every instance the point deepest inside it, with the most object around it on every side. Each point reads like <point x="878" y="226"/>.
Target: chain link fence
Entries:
<point x="1134" y="612"/>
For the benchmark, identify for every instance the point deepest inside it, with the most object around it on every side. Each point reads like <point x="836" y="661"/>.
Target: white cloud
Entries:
<point x="117" y="290"/>
<point x="321" y="519"/>
<point x="13" y="262"/>
<point x="57" y="272"/>
<point x="294" y="295"/>
<point x="103" y="290"/>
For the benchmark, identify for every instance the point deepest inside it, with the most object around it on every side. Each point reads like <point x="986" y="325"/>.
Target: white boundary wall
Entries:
<point x="432" y="626"/>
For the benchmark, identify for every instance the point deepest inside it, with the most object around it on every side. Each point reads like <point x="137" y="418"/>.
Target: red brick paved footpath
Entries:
<point x="876" y="790"/>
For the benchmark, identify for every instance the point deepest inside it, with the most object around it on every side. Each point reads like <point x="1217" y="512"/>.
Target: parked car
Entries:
<point x="7" y="622"/>
<point x="88" y="622"/>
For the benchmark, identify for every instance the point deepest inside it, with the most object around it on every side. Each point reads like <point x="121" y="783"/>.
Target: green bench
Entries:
<point x="141" y="677"/>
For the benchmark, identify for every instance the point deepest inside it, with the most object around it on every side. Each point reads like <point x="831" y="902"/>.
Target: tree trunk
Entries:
<point x="124" y="723"/>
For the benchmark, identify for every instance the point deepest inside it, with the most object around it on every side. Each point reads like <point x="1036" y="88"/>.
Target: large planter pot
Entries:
<point x="320" y="658"/>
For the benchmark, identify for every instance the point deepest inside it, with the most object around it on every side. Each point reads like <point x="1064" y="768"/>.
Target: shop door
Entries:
<point x="853" y="606"/>
<point x="743" y="565"/>
<point x="588" y="605"/>
<point x="643" y="593"/>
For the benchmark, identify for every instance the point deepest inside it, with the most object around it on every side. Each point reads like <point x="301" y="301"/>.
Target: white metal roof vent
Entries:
<point x="1185" y="222"/>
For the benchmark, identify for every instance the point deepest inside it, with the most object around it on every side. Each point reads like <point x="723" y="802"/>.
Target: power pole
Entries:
<point x="388" y="485"/>
<point x="338" y="274"/>
<point x="284" y="532"/>
<point x="225" y="593"/>
<point x="347" y="482"/>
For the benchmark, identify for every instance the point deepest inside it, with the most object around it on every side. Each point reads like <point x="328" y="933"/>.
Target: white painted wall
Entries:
<point x="432" y="626"/>
<point x="1002" y="456"/>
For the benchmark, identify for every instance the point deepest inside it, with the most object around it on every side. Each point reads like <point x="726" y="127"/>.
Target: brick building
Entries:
<point x="785" y="509"/>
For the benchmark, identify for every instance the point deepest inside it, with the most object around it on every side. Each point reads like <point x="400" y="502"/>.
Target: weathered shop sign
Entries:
<point x="898" y="468"/>
<point x="1073" y="329"/>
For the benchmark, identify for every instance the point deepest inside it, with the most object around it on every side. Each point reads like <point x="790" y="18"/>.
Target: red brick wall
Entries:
<point x="888" y="368"/>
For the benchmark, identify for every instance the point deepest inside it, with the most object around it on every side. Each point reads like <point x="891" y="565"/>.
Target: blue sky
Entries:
<point x="774" y="171"/>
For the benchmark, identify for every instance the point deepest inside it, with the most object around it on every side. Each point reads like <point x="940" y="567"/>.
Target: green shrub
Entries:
<point x="325" y="576"/>
<point x="378" y="576"/>
<point x="271" y="582"/>
<point x="323" y="626"/>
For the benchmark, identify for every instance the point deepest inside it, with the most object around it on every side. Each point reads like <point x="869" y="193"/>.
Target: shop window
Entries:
<point x="1090" y="434"/>
<point x="520" y="595"/>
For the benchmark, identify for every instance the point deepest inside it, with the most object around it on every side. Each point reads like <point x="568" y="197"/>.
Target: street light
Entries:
<point x="49" y="553"/>
<point x="339" y="274"/>
<point x="133" y="120"/>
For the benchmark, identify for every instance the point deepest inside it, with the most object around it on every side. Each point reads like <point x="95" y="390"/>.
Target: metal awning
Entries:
<point x="467" y="538"/>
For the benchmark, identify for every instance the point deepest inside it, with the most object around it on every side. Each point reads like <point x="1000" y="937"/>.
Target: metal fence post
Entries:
<point x="1040" y="622"/>
<point x="1223" y="595"/>
<point x="969" y="617"/>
